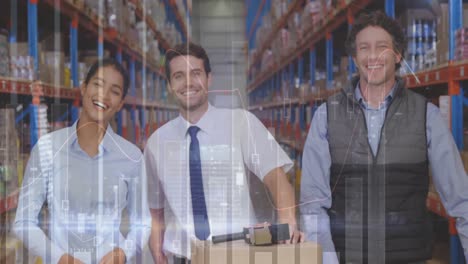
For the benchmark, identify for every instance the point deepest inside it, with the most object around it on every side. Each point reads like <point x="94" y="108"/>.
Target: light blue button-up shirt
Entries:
<point x="86" y="197"/>
<point x="447" y="168"/>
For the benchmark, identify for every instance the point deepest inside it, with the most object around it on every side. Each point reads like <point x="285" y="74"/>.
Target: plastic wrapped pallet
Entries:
<point x="442" y="30"/>
<point x="4" y="54"/>
<point x="9" y="152"/>
<point x="461" y="44"/>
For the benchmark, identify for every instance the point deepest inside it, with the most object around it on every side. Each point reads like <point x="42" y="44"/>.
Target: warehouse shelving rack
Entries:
<point x="81" y="19"/>
<point x="451" y="74"/>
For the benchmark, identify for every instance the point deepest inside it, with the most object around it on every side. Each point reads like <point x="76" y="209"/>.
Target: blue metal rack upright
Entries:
<point x="32" y="45"/>
<point x="454" y="90"/>
<point x="301" y="71"/>
<point x="132" y="77"/>
<point x="351" y="65"/>
<point x="255" y="9"/>
<point x="329" y="59"/>
<point x="390" y="8"/>
<point x="118" y="57"/>
<point x="291" y="80"/>
<point x="74" y="65"/>
<point x="313" y="65"/>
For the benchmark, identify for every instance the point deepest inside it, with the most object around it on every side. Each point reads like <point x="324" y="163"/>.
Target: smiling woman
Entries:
<point x="103" y="92"/>
<point x="88" y="175"/>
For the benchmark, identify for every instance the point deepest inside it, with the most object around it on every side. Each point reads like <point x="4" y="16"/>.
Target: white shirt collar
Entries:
<point x="206" y="122"/>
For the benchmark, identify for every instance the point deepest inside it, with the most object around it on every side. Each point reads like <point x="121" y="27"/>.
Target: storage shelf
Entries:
<point x="150" y="22"/>
<point x="24" y="87"/>
<point x="75" y="9"/>
<point x="276" y="28"/>
<point x="284" y="103"/>
<point x="179" y="18"/>
<point x="321" y="95"/>
<point x="130" y="100"/>
<point x="442" y="74"/>
<point x="336" y="18"/>
<point x="456" y="71"/>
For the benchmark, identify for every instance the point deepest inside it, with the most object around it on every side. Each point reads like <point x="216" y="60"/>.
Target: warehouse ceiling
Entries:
<point x="219" y="26"/>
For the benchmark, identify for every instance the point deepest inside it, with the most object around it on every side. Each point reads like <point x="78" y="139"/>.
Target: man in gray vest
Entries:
<point x="367" y="155"/>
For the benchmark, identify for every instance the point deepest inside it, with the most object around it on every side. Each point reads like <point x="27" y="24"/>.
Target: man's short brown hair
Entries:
<point x="185" y="49"/>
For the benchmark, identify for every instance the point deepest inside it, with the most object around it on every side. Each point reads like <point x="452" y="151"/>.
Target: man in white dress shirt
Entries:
<point x="197" y="163"/>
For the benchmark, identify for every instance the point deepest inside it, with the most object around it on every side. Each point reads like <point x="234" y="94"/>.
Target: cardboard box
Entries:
<point x="321" y="84"/>
<point x="7" y="255"/>
<point x="238" y="252"/>
<point x="409" y="15"/>
<point x="442" y="35"/>
<point x="54" y="64"/>
<point x="344" y="62"/>
<point x="464" y="157"/>
<point x="341" y="80"/>
<point x="19" y="49"/>
<point x="54" y="42"/>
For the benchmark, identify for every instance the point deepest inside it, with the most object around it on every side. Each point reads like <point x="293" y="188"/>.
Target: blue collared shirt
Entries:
<point x="86" y="197"/>
<point x="449" y="175"/>
<point x="375" y="117"/>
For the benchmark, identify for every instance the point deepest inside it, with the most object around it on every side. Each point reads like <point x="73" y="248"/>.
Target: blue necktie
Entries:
<point x="200" y="215"/>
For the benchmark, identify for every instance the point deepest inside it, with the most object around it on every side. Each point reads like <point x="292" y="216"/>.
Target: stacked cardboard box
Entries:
<point x="341" y="77"/>
<point x="238" y="252"/>
<point x="4" y="54"/>
<point x="295" y="29"/>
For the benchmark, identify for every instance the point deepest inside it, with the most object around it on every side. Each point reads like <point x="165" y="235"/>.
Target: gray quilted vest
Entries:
<point x="378" y="212"/>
